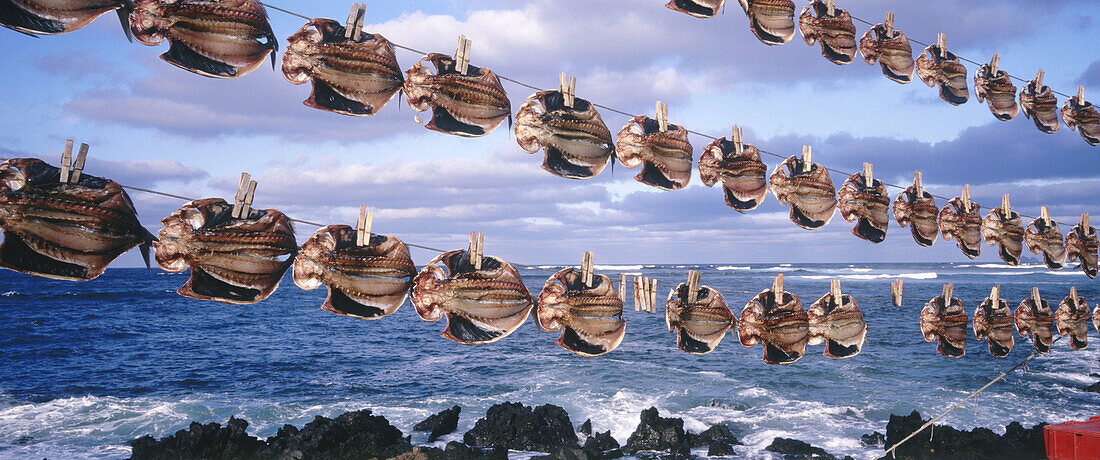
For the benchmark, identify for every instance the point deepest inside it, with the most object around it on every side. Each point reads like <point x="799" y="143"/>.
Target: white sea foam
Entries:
<point x="915" y="276"/>
<point x="731" y="267"/>
<point x="861" y="270"/>
<point x="9" y="293"/>
<point x="1016" y="267"/>
<point x="616" y="267"/>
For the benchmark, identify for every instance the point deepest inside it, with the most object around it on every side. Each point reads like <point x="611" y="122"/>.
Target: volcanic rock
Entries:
<point x="717" y="433"/>
<point x="658" y="433"/>
<point x="515" y="426"/>
<point x="949" y="443"/>
<point x="351" y="435"/>
<point x="440" y="424"/>
<point x="586" y="428"/>
<point x="873" y="439"/>
<point x="201" y="441"/>
<point x="720" y="449"/>
<point x="793" y="449"/>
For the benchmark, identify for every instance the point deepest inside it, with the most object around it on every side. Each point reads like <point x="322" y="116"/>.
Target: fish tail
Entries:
<point x="124" y="19"/>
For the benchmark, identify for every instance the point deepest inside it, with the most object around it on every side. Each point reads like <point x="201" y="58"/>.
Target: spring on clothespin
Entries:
<point x="70" y="169"/>
<point x="462" y="55"/>
<point x="568" y="88"/>
<point x="895" y="291"/>
<point x="363" y="226"/>
<point x="662" y="116"/>
<point x="476" y="248"/>
<point x="354" y="28"/>
<point x="242" y="201"/>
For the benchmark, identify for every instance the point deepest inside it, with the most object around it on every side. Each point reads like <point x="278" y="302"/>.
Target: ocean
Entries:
<point x="86" y="367"/>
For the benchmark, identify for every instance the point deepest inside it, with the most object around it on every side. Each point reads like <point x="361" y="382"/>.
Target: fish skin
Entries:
<point x="665" y="157"/>
<point x="50" y="17"/>
<point x="1039" y="104"/>
<point x="782" y="327"/>
<point x="743" y="178"/>
<point x="921" y="215"/>
<point x="1036" y="321"/>
<point x="233" y="261"/>
<point x="994" y="323"/>
<point x="947" y="72"/>
<point x="811" y="195"/>
<point x="947" y="324"/>
<point x="367" y="282"/>
<point x="836" y="33"/>
<point x="468" y="105"/>
<point x="999" y="91"/>
<point x="894" y="54"/>
<point x="772" y="21"/>
<point x="697" y="8"/>
<point x="481" y="306"/>
<point x="965" y="228"/>
<point x="1006" y="232"/>
<point x="1072" y="321"/>
<point x="699" y="327"/>
<point x="868" y="205"/>
<point x="590" y="318"/>
<point x="1046" y="240"/>
<point x="64" y="231"/>
<point x="349" y="77"/>
<point x="576" y="141"/>
<point x="1082" y="244"/>
<point x="1083" y="118"/>
<point x="840" y="327"/>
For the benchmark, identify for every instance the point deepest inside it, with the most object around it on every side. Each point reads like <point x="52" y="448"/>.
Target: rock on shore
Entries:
<point x="948" y="443"/>
<point x="440" y="424"/>
<point x="518" y="427"/>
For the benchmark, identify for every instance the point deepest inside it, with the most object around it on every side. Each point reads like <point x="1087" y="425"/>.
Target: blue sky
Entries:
<point x="153" y="125"/>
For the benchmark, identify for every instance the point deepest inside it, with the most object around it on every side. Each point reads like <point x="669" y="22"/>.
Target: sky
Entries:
<point x="152" y="125"/>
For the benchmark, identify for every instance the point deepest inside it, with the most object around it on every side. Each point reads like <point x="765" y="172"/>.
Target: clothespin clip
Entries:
<point x="993" y="63"/>
<point x="240" y="210"/>
<point x="918" y="184"/>
<point x="354" y="28"/>
<point x="1044" y="214"/>
<point x="834" y="290"/>
<point x="246" y="208"/>
<point x="941" y="43"/>
<point x="586" y="268"/>
<point x="895" y="291"/>
<point x="1035" y="297"/>
<point x="1006" y="205"/>
<point x="568" y="89"/>
<point x="947" y="291"/>
<point x="462" y="55"/>
<point x="477" y="245"/>
<point x="692" y="287"/>
<point x="1073" y="296"/>
<point x="1084" y="222"/>
<point x="653" y="295"/>
<point x="362" y="226"/>
<point x="889" y="24"/>
<point x="78" y="164"/>
<point x="995" y="294"/>
<point x="638" y="293"/>
<point x="738" y="139"/>
<point x="807" y="159"/>
<point x="1039" y="79"/>
<point x="966" y="198"/>
<point x="1080" y="95"/>
<point x="777" y="284"/>
<point x="868" y="175"/>
<point x="66" y="161"/>
<point x="830" y="7"/>
<point x="622" y="287"/>
<point x="662" y="116"/>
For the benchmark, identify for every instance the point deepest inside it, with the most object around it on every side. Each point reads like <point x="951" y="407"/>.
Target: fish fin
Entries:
<point x="16" y="255"/>
<point x="204" y="286"/>
<point x="324" y="97"/>
<point x="864" y="229"/>
<point x="947" y="349"/>
<point x="947" y="94"/>
<point x="573" y="342"/>
<point x="340" y="303"/>
<point x="737" y="204"/>
<point x="773" y="355"/>
<point x="686" y="343"/>
<point x="834" y="349"/>
<point x="26" y="22"/>
<point x="443" y="121"/>
<point x="556" y="164"/>
<point x="804" y="221"/>
<point x="1039" y="345"/>
<point x="1079" y="343"/>
<point x="651" y="175"/>
<point x="184" y="57"/>
<point x="124" y="19"/>
<point x="920" y="239"/>
<point x="463" y="330"/>
<point x="998" y="350"/>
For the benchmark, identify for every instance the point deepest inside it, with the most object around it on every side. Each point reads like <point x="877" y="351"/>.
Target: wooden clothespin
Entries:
<point x="830" y="7"/>
<point x="1039" y="80"/>
<point x="738" y="139"/>
<point x="242" y="192"/>
<point x="462" y="55"/>
<point x="1006" y="206"/>
<point x="568" y="89"/>
<point x="1044" y="214"/>
<point x="638" y="293"/>
<point x="807" y="159"/>
<point x="993" y="63"/>
<point x="1073" y="296"/>
<point x="362" y="226"/>
<point x="947" y="291"/>
<point x="895" y="291"/>
<point x="966" y="198"/>
<point x="476" y="248"/>
<point x="354" y="29"/>
<point x="66" y="161"/>
<point x="246" y="207"/>
<point x="941" y="43"/>
<point x="868" y="175"/>
<point x="889" y="24"/>
<point x="995" y="294"/>
<point x="692" y="287"/>
<point x="834" y="291"/>
<point x="1080" y="95"/>
<point x="653" y="295"/>
<point x="662" y="116"/>
<point x="777" y="284"/>
<point x="918" y="184"/>
<point x="1084" y="222"/>
<point x="586" y="268"/>
<point x="78" y="164"/>
<point x="622" y="287"/>
<point x="1035" y="297"/>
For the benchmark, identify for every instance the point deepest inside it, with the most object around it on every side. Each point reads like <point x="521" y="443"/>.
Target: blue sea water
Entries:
<point x="86" y="367"/>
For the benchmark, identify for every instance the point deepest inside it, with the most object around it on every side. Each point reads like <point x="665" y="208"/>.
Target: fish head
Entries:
<point x="149" y="19"/>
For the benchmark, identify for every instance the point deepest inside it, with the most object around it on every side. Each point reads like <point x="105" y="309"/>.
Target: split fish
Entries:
<point x="590" y="317"/>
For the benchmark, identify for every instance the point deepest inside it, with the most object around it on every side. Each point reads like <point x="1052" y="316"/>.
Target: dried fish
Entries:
<point x="665" y="156"/>
<point x="919" y="212"/>
<point x="944" y="70"/>
<point x="993" y="321"/>
<point x="577" y="143"/>
<point x="962" y="222"/>
<point x="772" y="21"/>
<point x="1082" y="116"/>
<point x="807" y="189"/>
<point x="779" y="322"/>
<point x="835" y="31"/>
<point x="743" y="176"/>
<point x="49" y="17"/>
<point x="1082" y="244"/>
<point x="1073" y="321"/>
<point x="697" y="8"/>
<point x="839" y="325"/>
<point x="467" y="105"/>
<point x="590" y="317"/>
<point x="892" y="52"/>
<point x="1043" y="236"/>
<point x="1040" y="105"/>
<point x="1036" y="320"/>
<point x="999" y="91"/>
<point x="1006" y="232"/>
<point x="700" y="325"/>
<point x="867" y="203"/>
<point x="945" y="320"/>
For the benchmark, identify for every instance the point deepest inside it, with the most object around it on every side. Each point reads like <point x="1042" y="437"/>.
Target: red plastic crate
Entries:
<point x="1073" y="440"/>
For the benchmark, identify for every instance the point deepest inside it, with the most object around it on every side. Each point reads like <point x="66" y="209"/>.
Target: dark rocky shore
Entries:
<point x="547" y="428"/>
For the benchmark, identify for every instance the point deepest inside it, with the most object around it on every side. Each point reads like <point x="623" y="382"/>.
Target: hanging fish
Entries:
<point x="963" y="224"/>
<point x="998" y="89"/>
<point x="366" y="282"/>
<point x="349" y="76"/>
<point x="920" y="213"/>
<point x="807" y="189"/>
<point x="481" y="305"/>
<point x="1082" y="244"/>
<point x="577" y="143"/>
<point x="213" y="38"/>
<point x="779" y="322"/>
<point x="1037" y="320"/>
<point x="1005" y="231"/>
<point x="772" y="21"/>
<point x="698" y="8"/>
<point x="1040" y="105"/>
<point x="993" y="321"/>
<point x="665" y="157"/>
<point x="945" y="320"/>
<point x="48" y="17"/>
<point x="867" y="203"/>
<point x="1073" y="321"/>
<point x="1081" y="115"/>
<point x="66" y="231"/>
<point x="590" y="317"/>
<point x="699" y="326"/>
<point x="944" y="70"/>
<point x="1043" y="236"/>
<point x="233" y="260"/>
<point x="743" y="176"/>
<point x="839" y="325"/>
<point x="467" y="105"/>
<point x="892" y="52"/>
<point x="835" y="31"/>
